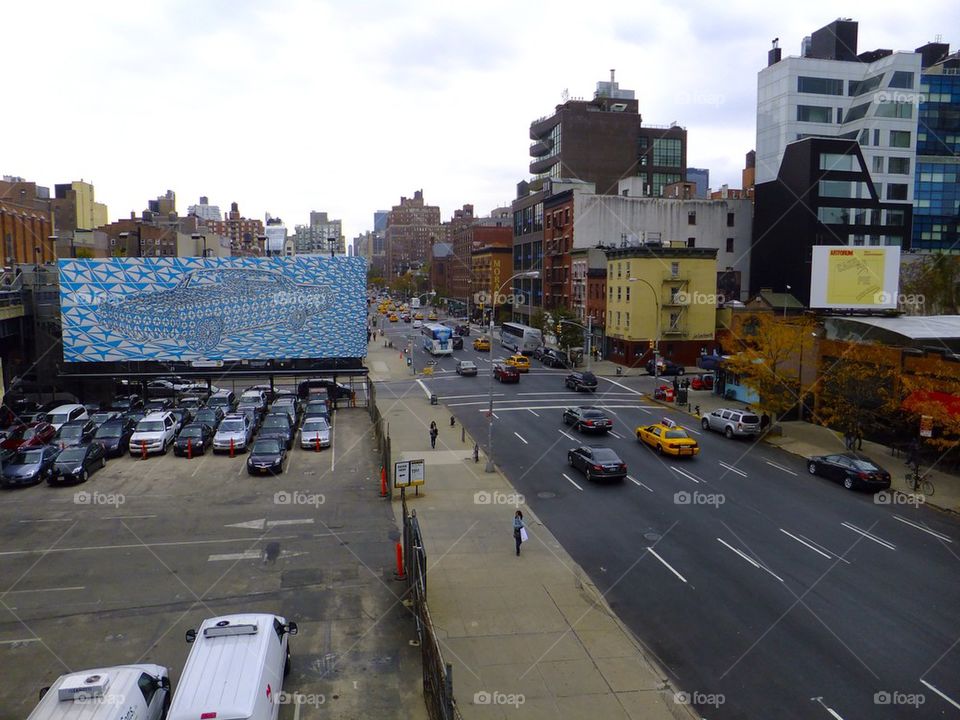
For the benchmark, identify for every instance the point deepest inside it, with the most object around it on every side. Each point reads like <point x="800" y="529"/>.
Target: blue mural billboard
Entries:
<point x="183" y="309"/>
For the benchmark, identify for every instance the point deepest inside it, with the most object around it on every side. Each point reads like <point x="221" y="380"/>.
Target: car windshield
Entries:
<point x="71" y="431"/>
<point x="676" y="434"/>
<point x="29" y="433"/>
<point x="266" y="446"/>
<point x="750" y="419"/>
<point x="28" y="457"/>
<point x="467" y="364"/>
<point x="206" y="415"/>
<point x="232" y="426"/>
<point x="150" y="426"/>
<point x="110" y="431"/>
<point x="865" y="466"/>
<point x="101" y="417"/>
<point x="315" y="425"/>
<point x="59" y="418"/>
<point x="222" y="400"/>
<point x="252" y="399"/>
<point x="605" y="455"/>
<point x="191" y="432"/>
<point x="317" y="406"/>
<point x="72" y="456"/>
<point x="275" y="422"/>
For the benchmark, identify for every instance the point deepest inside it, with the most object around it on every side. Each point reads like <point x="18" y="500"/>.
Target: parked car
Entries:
<point x="269" y="393"/>
<point x="114" y="436"/>
<point x="277" y="425"/>
<point x="417" y="324"/>
<point x="553" y="359"/>
<point x="29" y="466"/>
<point x="93" y="407"/>
<point x="183" y="416"/>
<point x="123" y="403"/>
<point x="235" y="428"/>
<point x="466" y="368"/>
<point x="155" y="433"/>
<point x="314" y="429"/>
<point x="226" y="400"/>
<point x="103" y="416"/>
<point x="851" y="469"/>
<point x="702" y="382"/>
<point x="194" y="439"/>
<point x="597" y="463"/>
<point x="710" y="362"/>
<point x="254" y="397"/>
<point x="266" y="456"/>
<point x="587" y="419"/>
<point x="732" y="422"/>
<point x="316" y="408"/>
<point x="135" y="415"/>
<point x="665" y="367"/>
<point x="65" y="413"/>
<point x="75" y="432"/>
<point x="33" y="434"/>
<point x="157" y="404"/>
<point x="520" y="362"/>
<point x="668" y="438"/>
<point x="335" y="390"/>
<point x="211" y="415"/>
<point x="122" y="692"/>
<point x="581" y="381"/>
<point x="192" y="402"/>
<point x="290" y="405"/>
<point x="506" y="373"/>
<point x="76" y="464"/>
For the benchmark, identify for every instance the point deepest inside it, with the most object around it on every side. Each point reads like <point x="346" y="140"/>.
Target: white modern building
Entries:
<point x="204" y="210"/>
<point x="320" y="236"/>
<point x="276" y="233"/>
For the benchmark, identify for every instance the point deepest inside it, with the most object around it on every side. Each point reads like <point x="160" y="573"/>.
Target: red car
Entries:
<point x="506" y="373"/>
<point x="702" y="382"/>
<point x="30" y="435"/>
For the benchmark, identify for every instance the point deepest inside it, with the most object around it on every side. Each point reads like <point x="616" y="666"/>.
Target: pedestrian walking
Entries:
<point x="858" y="436"/>
<point x="519" y="529"/>
<point x="434" y="431"/>
<point x="849" y="438"/>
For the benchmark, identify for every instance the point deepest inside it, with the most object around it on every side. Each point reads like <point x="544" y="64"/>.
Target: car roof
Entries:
<point x="68" y="407"/>
<point x="74" y="423"/>
<point x="157" y="415"/>
<point x="123" y="683"/>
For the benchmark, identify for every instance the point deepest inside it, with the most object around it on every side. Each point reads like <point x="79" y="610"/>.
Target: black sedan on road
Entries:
<point x="266" y="457"/>
<point x="666" y="367"/>
<point x="597" y="463"/>
<point x="194" y="439"/>
<point x="75" y="464"/>
<point x="114" y="436"/>
<point x="852" y="469"/>
<point x="581" y="381"/>
<point x="587" y="419"/>
<point x="29" y="466"/>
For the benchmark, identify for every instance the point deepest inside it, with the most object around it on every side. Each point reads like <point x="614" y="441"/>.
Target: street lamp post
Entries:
<point x="493" y="306"/>
<point x="656" y="340"/>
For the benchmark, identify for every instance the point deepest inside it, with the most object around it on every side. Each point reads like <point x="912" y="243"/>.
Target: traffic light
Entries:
<point x="559" y="327"/>
<point x="651" y="344"/>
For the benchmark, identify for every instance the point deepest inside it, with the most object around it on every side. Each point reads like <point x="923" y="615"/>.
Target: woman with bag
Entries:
<point x="519" y="530"/>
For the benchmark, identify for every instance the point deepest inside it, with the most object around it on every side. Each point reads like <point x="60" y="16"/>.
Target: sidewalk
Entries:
<point x="530" y="633"/>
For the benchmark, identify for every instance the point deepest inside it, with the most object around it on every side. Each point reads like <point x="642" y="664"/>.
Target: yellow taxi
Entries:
<point x="668" y="438"/>
<point x="418" y="316"/>
<point x="520" y="362"/>
<point x="394" y="318"/>
<point x="432" y="316"/>
<point x="482" y="344"/>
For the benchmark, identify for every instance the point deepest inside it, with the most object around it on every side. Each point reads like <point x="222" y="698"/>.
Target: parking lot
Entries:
<point x="115" y="570"/>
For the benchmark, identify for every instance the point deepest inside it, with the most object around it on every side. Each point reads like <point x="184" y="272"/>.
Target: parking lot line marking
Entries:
<point x="521" y="437"/>
<point x="638" y="483"/>
<point x="199" y="465"/>
<point x="426" y="390"/>
<point x="128" y="546"/>
<point x="780" y="467"/>
<point x="532" y="412"/>
<point x="563" y="432"/>
<point x="572" y="482"/>
<point x="731" y="468"/>
<point x="926" y="530"/>
<point x="666" y="564"/>
<point x="867" y="535"/>
<point x="804" y="542"/>
<point x="24" y="640"/>
<point x="303" y="521"/>
<point x="952" y="702"/>
<point x="685" y="474"/>
<point x="40" y="590"/>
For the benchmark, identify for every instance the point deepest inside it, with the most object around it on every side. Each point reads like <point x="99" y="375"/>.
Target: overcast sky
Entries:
<point x="290" y="106"/>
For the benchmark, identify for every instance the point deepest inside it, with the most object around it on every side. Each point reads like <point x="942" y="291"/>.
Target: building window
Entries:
<point x="667" y="152"/>
<point x="899" y="166"/>
<point x="900" y="138"/>
<point x="730" y="219"/>
<point x="832" y="161"/>
<point x="857" y="112"/>
<point x="896" y="191"/>
<point x="859" y="87"/>
<point x="819" y="86"/>
<point x="628" y="293"/>
<point x="878" y="164"/>
<point x="839" y="116"/>
<point x="566" y="216"/>
<point x="730" y="245"/>
<point x="618" y="293"/>
<point x="895" y="218"/>
<point x="627" y="318"/>
<point x="691" y="242"/>
<point x="611" y="294"/>
<point x="901" y="79"/>
<point x="618" y="318"/>
<point x="864" y="137"/>
<point x="692" y="217"/>
<point x="813" y="113"/>
<point x="893" y="110"/>
<point x="675" y="269"/>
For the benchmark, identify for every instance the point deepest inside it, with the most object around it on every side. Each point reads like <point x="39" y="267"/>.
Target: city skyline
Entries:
<point x="438" y="98"/>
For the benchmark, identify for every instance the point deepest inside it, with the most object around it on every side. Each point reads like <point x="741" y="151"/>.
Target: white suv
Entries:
<point x="155" y="432"/>
<point x="732" y="422"/>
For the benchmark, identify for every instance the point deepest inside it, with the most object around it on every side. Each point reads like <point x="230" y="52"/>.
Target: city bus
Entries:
<point x="436" y="339"/>
<point x="520" y="338"/>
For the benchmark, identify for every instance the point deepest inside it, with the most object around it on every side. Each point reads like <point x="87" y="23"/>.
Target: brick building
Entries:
<point x="412" y="228"/>
<point x="492" y="266"/>
<point x="244" y="233"/>
<point x="26" y="222"/>
<point x="460" y="231"/>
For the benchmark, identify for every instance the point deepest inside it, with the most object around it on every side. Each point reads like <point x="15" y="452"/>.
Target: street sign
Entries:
<point x="417" y="472"/>
<point x="926" y="426"/>
<point x="401" y="473"/>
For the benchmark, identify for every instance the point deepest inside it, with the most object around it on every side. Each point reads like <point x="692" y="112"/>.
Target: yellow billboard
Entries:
<point x="855" y="277"/>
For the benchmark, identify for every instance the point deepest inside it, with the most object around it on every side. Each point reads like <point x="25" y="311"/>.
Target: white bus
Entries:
<point x="436" y="339"/>
<point x="520" y="338"/>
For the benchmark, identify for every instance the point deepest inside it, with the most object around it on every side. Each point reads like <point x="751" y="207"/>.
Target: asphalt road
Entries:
<point x="152" y="547"/>
<point x="765" y="591"/>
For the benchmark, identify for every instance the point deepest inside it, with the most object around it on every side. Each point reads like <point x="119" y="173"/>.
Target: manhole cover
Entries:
<point x="651" y="536"/>
<point x="546" y="494"/>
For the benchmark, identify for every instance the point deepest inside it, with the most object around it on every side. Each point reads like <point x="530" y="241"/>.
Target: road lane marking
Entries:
<point x="618" y="437"/>
<point x="867" y="535"/>
<point x="780" y="467"/>
<point x="532" y="412"/>
<point x="503" y="408"/>
<point x="127" y="517"/>
<point x="637" y="482"/>
<point x="803" y="542"/>
<point x="39" y="520"/>
<point x="630" y="390"/>
<point x="172" y="543"/>
<point x="264" y="523"/>
<point x="24" y="640"/>
<point x="572" y="482"/>
<point x="521" y="437"/>
<point x="921" y="527"/>
<point x="685" y="474"/>
<point x="824" y="549"/>
<point x="666" y="564"/>
<point x="952" y="702"/>
<point x="496" y="416"/>
<point x="250" y="555"/>
<point x="333" y="448"/>
<point x="563" y="432"/>
<point x="41" y="590"/>
<point x="732" y="469"/>
<point x="479" y="395"/>
<point x="751" y="560"/>
<point x="426" y="390"/>
<point x="612" y="412"/>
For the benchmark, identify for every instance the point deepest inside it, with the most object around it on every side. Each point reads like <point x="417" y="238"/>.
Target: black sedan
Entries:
<point x="317" y="408"/>
<point x="587" y="419"/>
<point x="277" y="426"/>
<point x="266" y="457"/>
<point x="851" y="469"/>
<point x="183" y="416"/>
<point x="123" y="403"/>
<point x="75" y="432"/>
<point x="194" y="439"/>
<point x="75" y="464"/>
<point x="210" y="415"/>
<point x="597" y="463"/>
<point x="114" y="436"/>
<point x="665" y="367"/>
<point x="457" y="342"/>
<point x="29" y="466"/>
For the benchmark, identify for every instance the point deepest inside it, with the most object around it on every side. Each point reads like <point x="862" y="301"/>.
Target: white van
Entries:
<point x="235" y="669"/>
<point x="125" y="692"/>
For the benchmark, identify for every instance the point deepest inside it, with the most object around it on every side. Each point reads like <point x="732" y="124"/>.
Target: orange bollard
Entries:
<point x="399" y="575"/>
<point x="383" y="482"/>
<point x="189" y="448"/>
<point x="231" y="447"/>
<point x="143" y="449"/>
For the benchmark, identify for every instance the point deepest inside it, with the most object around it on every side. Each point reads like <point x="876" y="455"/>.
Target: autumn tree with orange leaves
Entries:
<point x="859" y="390"/>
